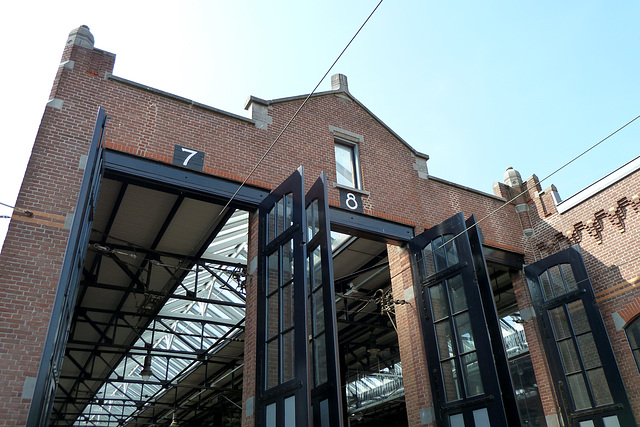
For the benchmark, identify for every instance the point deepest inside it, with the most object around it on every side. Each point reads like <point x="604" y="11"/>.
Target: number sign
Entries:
<point x="351" y="201"/>
<point x="188" y="158"/>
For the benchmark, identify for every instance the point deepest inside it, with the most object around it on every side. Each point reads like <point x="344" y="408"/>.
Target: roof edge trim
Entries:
<point x="335" y="92"/>
<point x="462" y="187"/>
<point x="178" y="98"/>
<point x="599" y="185"/>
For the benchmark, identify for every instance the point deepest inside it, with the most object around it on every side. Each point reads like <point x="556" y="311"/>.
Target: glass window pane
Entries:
<point x="578" y="316"/>
<point x="288" y="210"/>
<point x="439" y="254"/>
<point x="273" y="318"/>
<point x="271" y="221"/>
<point x="287" y="307"/>
<point x="611" y="421"/>
<point x="272" y="364"/>
<point x="287" y="262"/>
<point x="559" y="321"/>
<point x="633" y="332"/>
<point x="451" y="250"/>
<point x="464" y="334"/>
<point x="310" y="221"/>
<point x="481" y="418"/>
<point x="587" y="423"/>
<point x="557" y="284"/>
<point x="588" y="351"/>
<point x="578" y="391"/>
<point x="273" y="270"/>
<point x="290" y="411"/>
<point x="321" y="359"/>
<point x="271" y="415"/>
<point x="429" y="263"/>
<point x="569" y="356"/>
<point x="472" y="374"/>
<point x="545" y="284"/>
<point x="439" y="306"/>
<point x="316" y="216"/>
<point x="279" y="217"/>
<point x="450" y="380"/>
<point x="569" y="278"/>
<point x="317" y="268"/>
<point x="288" y="360"/>
<point x="600" y="387"/>
<point x="636" y="355"/>
<point x="445" y="340"/>
<point x="456" y="293"/>
<point x="318" y="312"/>
<point x="324" y="413"/>
<point x="345" y="173"/>
<point x="456" y="420"/>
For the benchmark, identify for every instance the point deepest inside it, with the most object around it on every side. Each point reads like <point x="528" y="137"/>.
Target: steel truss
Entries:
<point x="192" y="342"/>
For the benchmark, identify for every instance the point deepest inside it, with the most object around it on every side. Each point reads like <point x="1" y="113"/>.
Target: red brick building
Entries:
<point x="169" y="263"/>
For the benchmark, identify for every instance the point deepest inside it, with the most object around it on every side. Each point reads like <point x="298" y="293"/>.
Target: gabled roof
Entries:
<point x="339" y="92"/>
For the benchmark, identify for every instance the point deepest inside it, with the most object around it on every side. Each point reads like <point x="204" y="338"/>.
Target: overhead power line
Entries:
<point x="489" y="215"/>
<point x="275" y="141"/>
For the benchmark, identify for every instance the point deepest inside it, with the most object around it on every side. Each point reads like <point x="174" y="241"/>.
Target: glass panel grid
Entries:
<point x="454" y="337"/>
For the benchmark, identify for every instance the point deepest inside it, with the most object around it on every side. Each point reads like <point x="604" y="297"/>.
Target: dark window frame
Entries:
<point x="635" y="350"/>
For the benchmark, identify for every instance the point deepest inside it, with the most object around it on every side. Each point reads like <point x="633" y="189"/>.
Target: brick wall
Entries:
<point x="607" y="228"/>
<point x="148" y="123"/>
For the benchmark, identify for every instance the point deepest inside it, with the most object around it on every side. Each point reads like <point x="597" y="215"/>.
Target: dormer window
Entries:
<point x="347" y="164"/>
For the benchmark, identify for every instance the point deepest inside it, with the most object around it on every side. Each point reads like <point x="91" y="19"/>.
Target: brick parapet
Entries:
<point x="33" y="252"/>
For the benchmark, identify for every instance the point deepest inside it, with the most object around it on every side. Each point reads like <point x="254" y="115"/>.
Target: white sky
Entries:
<point x="478" y="86"/>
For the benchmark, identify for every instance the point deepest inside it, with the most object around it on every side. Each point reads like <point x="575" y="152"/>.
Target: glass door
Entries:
<point x="583" y="367"/>
<point x="297" y="367"/>
<point x="464" y="377"/>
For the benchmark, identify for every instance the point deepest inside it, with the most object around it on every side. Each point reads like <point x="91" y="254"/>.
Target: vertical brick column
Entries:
<point x="250" y="326"/>
<point x="33" y="252"/>
<point x="417" y="388"/>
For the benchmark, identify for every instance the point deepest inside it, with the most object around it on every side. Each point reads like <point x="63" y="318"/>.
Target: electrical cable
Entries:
<point x="490" y="214"/>
<point x="24" y="211"/>
<point x="525" y="191"/>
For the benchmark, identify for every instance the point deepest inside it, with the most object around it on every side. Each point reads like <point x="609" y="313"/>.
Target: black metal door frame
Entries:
<point x="451" y="299"/>
<point x="282" y="349"/>
<point x="297" y="372"/>
<point x="326" y="396"/>
<point x="493" y="323"/>
<point x="63" y="306"/>
<point x="567" y="303"/>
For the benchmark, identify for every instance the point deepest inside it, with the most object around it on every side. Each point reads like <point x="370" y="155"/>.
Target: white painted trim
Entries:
<point x="601" y="184"/>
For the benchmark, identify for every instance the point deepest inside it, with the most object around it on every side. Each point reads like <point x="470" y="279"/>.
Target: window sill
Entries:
<point x="351" y="189"/>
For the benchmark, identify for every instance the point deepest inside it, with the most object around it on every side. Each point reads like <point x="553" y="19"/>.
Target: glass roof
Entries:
<point x="204" y="314"/>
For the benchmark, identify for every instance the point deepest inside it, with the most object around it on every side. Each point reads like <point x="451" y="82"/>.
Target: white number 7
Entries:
<point x="193" y="153"/>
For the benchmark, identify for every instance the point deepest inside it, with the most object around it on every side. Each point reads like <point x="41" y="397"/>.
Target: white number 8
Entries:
<point x="351" y="201"/>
